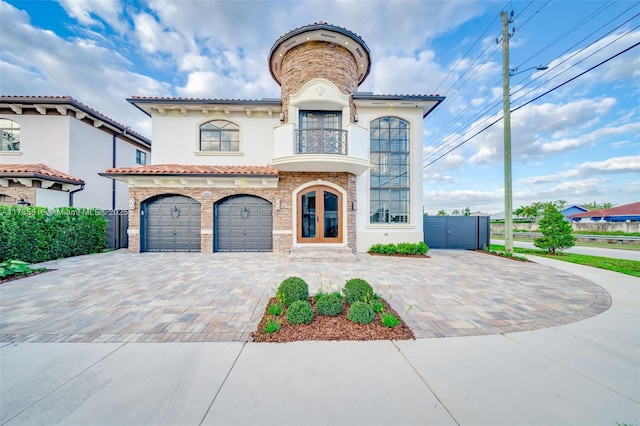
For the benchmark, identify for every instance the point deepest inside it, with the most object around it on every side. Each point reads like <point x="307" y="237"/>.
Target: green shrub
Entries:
<point x="377" y="305"/>
<point x="37" y="234"/>
<point x="389" y="320"/>
<point x="377" y="249"/>
<point x="275" y="309"/>
<point x="361" y="312"/>
<point x="357" y="289"/>
<point x="292" y="289"/>
<point x="272" y="326"/>
<point x="16" y="267"/>
<point x="299" y="312"/>
<point x="329" y="304"/>
<point x="401" y="248"/>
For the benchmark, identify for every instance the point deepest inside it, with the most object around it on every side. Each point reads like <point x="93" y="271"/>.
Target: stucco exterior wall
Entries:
<point x="369" y="234"/>
<point x="43" y="139"/>
<point x="176" y="139"/>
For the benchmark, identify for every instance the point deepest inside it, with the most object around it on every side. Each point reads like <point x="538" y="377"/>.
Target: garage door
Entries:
<point x="171" y="223"/>
<point x="243" y="223"/>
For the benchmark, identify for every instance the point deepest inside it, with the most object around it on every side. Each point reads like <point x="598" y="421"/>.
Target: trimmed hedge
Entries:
<point x="38" y="234"/>
<point x="400" y="249"/>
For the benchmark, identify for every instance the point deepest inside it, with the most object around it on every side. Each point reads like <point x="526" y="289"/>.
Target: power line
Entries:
<point x="450" y="140"/>
<point x="535" y="99"/>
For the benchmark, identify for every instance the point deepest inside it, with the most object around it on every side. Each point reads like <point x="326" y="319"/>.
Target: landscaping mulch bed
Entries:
<point x="17" y="277"/>
<point x="331" y="328"/>
<point x="517" y="259"/>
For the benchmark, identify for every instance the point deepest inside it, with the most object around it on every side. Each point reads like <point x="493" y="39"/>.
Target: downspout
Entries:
<point x="113" y="164"/>
<point x="73" y="192"/>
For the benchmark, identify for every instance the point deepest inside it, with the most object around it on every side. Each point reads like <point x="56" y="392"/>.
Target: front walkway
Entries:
<point x="177" y="297"/>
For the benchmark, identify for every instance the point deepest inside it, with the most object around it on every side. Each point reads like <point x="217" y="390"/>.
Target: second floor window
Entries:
<point x="10" y="135"/>
<point x="220" y="136"/>
<point x="321" y="132"/>
<point x="141" y="157"/>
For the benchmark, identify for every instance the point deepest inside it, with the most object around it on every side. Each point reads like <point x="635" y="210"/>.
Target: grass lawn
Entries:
<point x="624" y="266"/>
<point x="581" y="243"/>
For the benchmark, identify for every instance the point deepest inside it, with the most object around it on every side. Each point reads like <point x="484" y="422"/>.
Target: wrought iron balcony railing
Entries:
<point x="321" y="141"/>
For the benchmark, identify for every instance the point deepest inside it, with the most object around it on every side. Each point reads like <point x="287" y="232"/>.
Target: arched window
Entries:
<point x="10" y="135"/>
<point x="220" y="135"/>
<point x="389" y="176"/>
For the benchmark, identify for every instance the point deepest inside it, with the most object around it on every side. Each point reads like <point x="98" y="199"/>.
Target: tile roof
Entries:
<point x="182" y="169"/>
<point x="37" y="171"/>
<point x="632" y="209"/>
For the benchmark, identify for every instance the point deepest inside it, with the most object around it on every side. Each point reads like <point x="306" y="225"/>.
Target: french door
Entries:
<point x="319" y="215"/>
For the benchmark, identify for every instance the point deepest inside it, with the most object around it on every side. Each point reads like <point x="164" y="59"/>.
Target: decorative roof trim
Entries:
<point x="38" y="101"/>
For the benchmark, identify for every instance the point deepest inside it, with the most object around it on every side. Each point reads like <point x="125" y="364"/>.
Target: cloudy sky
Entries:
<point x="579" y="142"/>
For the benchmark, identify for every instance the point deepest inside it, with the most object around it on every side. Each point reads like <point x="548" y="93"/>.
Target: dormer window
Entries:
<point x="321" y="132"/>
<point x="220" y="136"/>
<point x="10" y="135"/>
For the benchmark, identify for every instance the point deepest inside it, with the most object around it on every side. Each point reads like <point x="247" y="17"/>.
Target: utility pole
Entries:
<point x="508" y="202"/>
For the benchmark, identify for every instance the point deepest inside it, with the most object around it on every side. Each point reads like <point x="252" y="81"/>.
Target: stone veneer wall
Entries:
<point x="281" y="218"/>
<point x="318" y="59"/>
<point x="17" y="190"/>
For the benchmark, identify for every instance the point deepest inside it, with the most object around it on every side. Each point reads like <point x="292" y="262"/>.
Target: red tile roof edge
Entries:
<point x="37" y="171"/>
<point x="623" y="210"/>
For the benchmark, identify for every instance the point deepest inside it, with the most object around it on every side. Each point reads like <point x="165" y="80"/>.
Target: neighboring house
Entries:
<point x="571" y="210"/>
<point x="323" y="166"/>
<point x="53" y="148"/>
<point x="624" y="213"/>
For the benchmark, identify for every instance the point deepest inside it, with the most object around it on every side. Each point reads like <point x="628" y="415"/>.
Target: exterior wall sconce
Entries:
<point x="356" y="117"/>
<point x="354" y="205"/>
<point x="282" y="116"/>
<point x="23" y="200"/>
<point x="277" y="203"/>
<point x="132" y="203"/>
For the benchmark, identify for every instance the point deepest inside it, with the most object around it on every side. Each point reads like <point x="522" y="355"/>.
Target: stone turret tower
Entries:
<point x="319" y="51"/>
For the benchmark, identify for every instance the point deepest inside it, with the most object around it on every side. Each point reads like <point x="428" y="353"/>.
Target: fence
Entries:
<point x="456" y="232"/>
<point x="117" y="224"/>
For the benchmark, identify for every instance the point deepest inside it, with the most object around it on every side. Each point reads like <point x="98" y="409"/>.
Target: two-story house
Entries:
<point x="323" y="166"/>
<point x="53" y="147"/>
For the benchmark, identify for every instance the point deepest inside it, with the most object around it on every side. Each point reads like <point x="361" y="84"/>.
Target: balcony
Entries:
<point x="321" y="141"/>
<point x="321" y="150"/>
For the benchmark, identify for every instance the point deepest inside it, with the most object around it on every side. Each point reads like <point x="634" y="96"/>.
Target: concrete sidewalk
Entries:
<point x="587" y="372"/>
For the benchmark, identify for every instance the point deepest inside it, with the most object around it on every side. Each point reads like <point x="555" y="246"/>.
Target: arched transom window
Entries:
<point x="389" y="183"/>
<point x="220" y="136"/>
<point x="10" y="135"/>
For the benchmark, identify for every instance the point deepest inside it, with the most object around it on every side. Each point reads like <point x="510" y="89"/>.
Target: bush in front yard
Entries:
<point x="329" y="304"/>
<point x="38" y="234"/>
<point x="299" y="312"/>
<point x="292" y="289"/>
<point x="361" y="313"/>
<point x="357" y="290"/>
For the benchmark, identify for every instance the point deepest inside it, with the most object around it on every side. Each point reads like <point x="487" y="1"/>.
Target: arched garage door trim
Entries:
<point x="170" y="223"/>
<point x="243" y="223"/>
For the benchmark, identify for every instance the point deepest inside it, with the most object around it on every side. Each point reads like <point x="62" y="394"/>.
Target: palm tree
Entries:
<point x="607" y="205"/>
<point x="561" y="204"/>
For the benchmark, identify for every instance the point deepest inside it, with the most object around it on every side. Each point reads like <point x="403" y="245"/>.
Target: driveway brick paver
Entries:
<point x="192" y="297"/>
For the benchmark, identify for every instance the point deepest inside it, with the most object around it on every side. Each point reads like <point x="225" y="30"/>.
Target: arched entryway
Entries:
<point x="243" y="223"/>
<point x="319" y="215"/>
<point x="170" y="223"/>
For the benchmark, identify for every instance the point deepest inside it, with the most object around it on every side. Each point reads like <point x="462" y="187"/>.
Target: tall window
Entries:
<point x="220" y="135"/>
<point x="141" y="157"/>
<point x="10" y="135"/>
<point x="389" y="184"/>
